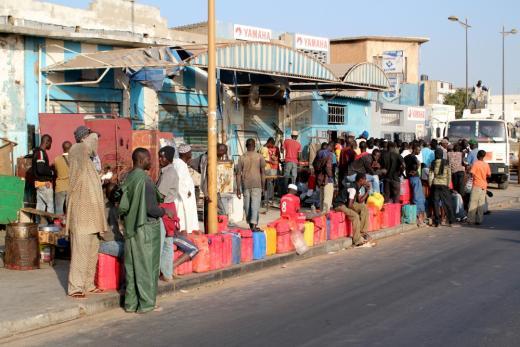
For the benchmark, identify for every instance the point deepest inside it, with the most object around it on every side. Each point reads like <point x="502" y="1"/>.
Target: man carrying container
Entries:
<point x="351" y="201"/>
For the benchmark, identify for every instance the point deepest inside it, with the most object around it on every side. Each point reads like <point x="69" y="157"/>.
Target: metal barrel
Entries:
<point x="22" y="251"/>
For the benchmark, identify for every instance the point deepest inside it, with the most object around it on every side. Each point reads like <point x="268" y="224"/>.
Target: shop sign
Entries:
<point x="416" y="114"/>
<point x="247" y="33"/>
<point x="311" y="43"/>
<point x="393" y="61"/>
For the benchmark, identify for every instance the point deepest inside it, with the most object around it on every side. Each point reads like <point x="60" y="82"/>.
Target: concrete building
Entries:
<point x="120" y="59"/>
<point x="434" y="92"/>
<point x="375" y="49"/>
<point x="512" y="106"/>
<point x="35" y="35"/>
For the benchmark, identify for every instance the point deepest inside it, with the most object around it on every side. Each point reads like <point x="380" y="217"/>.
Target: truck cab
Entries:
<point x="492" y="136"/>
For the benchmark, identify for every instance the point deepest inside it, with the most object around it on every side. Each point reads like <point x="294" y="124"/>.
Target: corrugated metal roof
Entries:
<point x="267" y="58"/>
<point x="160" y="57"/>
<point x="363" y="74"/>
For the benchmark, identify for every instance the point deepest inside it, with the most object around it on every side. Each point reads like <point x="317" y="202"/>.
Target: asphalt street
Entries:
<point x="433" y="287"/>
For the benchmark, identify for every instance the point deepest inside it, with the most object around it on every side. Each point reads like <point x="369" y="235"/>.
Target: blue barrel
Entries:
<point x="259" y="245"/>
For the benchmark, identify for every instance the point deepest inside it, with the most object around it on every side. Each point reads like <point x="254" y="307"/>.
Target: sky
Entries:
<point x="442" y="58"/>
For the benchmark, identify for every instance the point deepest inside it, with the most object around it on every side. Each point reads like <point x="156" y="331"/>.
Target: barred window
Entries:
<point x="390" y="117"/>
<point x="336" y="114"/>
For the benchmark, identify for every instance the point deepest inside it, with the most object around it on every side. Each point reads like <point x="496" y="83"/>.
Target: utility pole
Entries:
<point x="212" y="121"/>
<point x="504" y="33"/>
<point x="466" y="27"/>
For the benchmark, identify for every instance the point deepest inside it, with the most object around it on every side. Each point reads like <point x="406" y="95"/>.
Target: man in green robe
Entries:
<point x="140" y="209"/>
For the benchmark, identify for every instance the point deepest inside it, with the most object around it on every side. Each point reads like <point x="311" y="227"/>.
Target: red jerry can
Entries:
<point x="227" y="250"/>
<point x="284" y="226"/>
<point x="386" y="216"/>
<point x="397" y="214"/>
<point x="374" y="219"/>
<point x="201" y="262"/>
<point x="222" y="223"/>
<point x="334" y="219"/>
<point x="215" y="242"/>
<point x="109" y="272"/>
<point x="185" y="268"/>
<point x="246" y="244"/>
<point x="345" y="225"/>
<point x="320" y="229"/>
<point x="405" y="195"/>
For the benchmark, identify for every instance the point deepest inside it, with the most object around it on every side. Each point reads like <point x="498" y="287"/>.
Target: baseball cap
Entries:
<point x="294" y="133"/>
<point x="292" y="186"/>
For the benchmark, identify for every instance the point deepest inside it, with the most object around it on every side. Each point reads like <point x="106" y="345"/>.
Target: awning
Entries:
<point x="266" y="58"/>
<point x="157" y="57"/>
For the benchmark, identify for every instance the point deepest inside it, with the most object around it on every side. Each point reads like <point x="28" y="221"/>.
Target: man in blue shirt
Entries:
<point x="427" y="154"/>
<point x="472" y="155"/>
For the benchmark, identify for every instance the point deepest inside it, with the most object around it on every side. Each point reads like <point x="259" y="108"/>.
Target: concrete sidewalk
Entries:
<point x="37" y="299"/>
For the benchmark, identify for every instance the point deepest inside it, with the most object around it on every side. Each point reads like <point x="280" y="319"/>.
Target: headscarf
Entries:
<point x="80" y="133"/>
<point x="168" y="152"/>
<point x="439" y="155"/>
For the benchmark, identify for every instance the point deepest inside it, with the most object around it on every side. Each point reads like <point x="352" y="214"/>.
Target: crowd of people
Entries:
<point x="448" y="181"/>
<point x="141" y="221"/>
<point x="138" y="221"/>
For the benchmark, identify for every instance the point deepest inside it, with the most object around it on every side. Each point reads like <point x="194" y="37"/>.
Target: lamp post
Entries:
<point x="504" y="34"/>
<point x="466" y="27"/>
<point x="212" y="120"/>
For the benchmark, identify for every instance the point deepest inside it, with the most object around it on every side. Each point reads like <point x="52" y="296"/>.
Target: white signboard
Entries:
<point x="311" y="43"/>
<point x="393" y="92"/>
<point x="393" y="61"/>
<point x="247" y="33"/>
<point x="416" y="114"/>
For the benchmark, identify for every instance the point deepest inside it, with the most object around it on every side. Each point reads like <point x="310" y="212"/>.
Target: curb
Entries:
<point x="114" y="300"/>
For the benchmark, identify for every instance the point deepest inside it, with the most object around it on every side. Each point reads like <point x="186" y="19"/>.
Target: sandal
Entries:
<point x="96" y="291"/>
<point x="77" y="295"/>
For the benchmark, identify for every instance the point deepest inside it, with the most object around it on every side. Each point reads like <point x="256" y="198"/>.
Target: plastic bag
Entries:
<point x="299" y="242"/>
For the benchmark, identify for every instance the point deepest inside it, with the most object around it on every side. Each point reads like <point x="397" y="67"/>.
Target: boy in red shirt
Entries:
<point x="480" y="171"/>
<point x="290" y="202"/>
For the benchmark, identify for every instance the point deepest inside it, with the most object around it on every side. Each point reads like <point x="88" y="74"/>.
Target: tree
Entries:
<point x="456" y="99"/>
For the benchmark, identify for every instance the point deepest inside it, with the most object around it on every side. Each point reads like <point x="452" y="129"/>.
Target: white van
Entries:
<point x="492" y="137"/>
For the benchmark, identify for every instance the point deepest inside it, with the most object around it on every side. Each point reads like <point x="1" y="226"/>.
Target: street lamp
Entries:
<point x="504" y="33"/>
<point x="466" y="27"/>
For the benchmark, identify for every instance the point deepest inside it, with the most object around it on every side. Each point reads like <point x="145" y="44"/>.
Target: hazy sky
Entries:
<point x="441" y="58"/>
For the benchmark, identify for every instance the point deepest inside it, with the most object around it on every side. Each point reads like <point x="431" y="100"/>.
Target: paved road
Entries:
<point x="449" y="287"/>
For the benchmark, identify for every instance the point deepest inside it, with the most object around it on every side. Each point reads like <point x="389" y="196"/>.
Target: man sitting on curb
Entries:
<point x="290" y="202"/>
<point x="351" y="201"/>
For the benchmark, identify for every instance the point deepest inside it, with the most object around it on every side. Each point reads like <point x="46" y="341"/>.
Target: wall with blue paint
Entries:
<point x="12" y="108"/>
<point x="357" y="115"/>
<point x="409" y="94"/>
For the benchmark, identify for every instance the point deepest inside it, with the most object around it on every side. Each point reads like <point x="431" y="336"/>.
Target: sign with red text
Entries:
<point x="417" y="114"/>
<point x="247" y="33"/>
<point x="311" y="43"/>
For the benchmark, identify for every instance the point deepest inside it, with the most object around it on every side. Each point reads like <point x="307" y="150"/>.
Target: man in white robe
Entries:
<point x="185" y="199"/>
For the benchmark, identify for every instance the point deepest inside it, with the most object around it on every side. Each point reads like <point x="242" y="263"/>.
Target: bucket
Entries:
<point x="22" y="251"/>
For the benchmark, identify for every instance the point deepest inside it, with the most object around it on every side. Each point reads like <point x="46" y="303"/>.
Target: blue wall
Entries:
<point x="356" y="120"/>
<point x="409" y="94"/>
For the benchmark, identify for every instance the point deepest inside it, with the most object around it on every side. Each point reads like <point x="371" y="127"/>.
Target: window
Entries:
<point x="336" y="114"/>
<point x="390" y="117"/>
